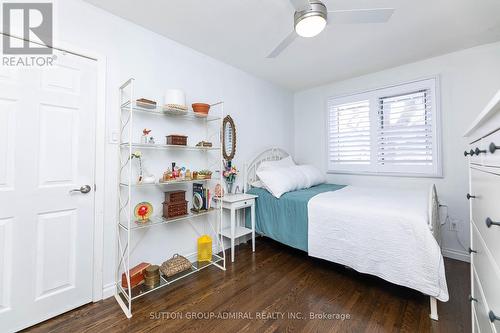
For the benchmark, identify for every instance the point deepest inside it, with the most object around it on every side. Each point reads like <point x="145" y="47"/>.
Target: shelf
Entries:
<point x="160" y="111"/>
<point x="157" y="220"/>
<point x="161" y="146"/>
<point x="168" y="183"/>
<point x="142" y="290"/>
<point x="238" y="232"/>
<point x="133" y="116"/>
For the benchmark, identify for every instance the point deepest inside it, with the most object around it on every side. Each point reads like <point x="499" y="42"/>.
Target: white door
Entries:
<point x="47" y="148"/>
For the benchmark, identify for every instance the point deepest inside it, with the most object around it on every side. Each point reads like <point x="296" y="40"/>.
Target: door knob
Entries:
<point x="468" y="196"/>
<point x="84" y="189"/>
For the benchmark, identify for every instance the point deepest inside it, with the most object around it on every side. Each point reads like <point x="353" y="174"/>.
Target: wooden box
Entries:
<point x="175" y="196"/>
<point x="174" y="209"/>
<point x="136" y="275"/>
<point x="179" y="140"/>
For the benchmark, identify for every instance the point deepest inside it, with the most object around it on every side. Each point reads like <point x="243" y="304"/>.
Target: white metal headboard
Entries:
<point x="272" y="154"/>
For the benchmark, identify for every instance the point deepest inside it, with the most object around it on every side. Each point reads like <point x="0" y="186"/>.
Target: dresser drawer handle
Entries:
<point x="493" y="147"/>
<point x="466" y="153"/>
<point x="490" y="222"/>
<point x="479" y="151"/>
<point x="493" y="316"/>
<point x="471" y="153"/>
<point x="470" y="196"/>
<point x="472" y="299"/>
<point x="472" y="251"/>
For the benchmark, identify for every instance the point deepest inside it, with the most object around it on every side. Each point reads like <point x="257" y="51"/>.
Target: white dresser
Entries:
<point x="483" y="153"/>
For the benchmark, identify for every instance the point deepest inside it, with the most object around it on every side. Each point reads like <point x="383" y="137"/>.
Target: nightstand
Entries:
<point x="236" y="229"/>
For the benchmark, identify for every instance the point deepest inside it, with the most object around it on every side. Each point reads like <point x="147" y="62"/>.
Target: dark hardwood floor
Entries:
<point x="278" y="281"/>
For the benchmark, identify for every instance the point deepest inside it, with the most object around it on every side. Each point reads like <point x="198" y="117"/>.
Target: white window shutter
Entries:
<point x="388" y="131"/>
<point x="405" y="129"/>
<point x="349" y="133"/>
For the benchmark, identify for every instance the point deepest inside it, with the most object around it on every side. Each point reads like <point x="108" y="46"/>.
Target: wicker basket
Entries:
<point x="175" y="265"/>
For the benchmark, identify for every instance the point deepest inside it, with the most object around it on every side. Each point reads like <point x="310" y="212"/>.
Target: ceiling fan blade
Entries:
<point x="378" y="15"/>
<point x="283" y="45"/>
<point x="300" y="5"/>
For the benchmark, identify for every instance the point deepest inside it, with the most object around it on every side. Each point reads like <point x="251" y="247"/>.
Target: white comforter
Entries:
<point x="380" y="232"/>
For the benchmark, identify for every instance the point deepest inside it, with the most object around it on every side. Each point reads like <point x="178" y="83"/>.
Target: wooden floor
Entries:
<point x="278" y="281"/>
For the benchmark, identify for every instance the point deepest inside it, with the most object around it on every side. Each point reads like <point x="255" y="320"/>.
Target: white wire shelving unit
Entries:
<point x="127" y="196"/>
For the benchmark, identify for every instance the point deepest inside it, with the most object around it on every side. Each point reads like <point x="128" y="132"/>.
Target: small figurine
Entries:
<point x="145" y="135"/>
<point x="188" y="175"/>
<point x="219" y="191"/>
<point x="151" y="141"/>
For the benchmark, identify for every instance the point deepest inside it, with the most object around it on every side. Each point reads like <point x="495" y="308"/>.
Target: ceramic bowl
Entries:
<point x="201" y="108"/>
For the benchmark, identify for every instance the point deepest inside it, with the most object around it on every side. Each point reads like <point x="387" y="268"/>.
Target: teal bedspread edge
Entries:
<point x="285" y="219"/>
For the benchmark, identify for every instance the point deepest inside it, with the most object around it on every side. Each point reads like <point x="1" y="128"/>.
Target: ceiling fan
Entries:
<point x="311" y="17"/>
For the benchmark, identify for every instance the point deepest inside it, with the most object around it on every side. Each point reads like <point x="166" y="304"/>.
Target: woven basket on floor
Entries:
<point x="175" y="265"/>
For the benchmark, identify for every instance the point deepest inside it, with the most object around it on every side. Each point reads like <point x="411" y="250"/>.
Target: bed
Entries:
<point x="392" y="234"/>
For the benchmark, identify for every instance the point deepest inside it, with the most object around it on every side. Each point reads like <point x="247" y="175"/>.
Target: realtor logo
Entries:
<point x="30" y="21"/>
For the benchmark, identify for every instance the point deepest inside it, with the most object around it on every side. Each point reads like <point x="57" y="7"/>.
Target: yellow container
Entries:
<point x="205" y="248"/>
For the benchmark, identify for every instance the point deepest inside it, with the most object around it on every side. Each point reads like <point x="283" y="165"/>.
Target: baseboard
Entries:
<point x="457" y="255"/>
<point x="108" y="291"/>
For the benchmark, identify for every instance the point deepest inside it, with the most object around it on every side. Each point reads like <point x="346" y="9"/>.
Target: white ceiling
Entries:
<point x="242" y="33"/>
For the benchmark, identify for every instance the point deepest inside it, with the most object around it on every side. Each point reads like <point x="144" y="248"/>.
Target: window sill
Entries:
<point x="386" y="174"/>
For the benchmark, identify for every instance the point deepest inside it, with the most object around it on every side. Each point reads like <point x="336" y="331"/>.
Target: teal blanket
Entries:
<point x="285" y="219"/>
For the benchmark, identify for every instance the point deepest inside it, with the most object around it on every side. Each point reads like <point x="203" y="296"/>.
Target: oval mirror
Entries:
<point x="228" y="138"/>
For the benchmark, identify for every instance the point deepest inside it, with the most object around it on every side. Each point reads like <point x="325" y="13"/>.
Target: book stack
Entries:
<point x="205" y="195"/>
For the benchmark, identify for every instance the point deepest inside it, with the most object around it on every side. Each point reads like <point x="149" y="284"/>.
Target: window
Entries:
<point x="386" y="131"/>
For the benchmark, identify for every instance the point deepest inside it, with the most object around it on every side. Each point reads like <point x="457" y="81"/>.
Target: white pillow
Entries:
<point x="258" y="184"/>
<point x="283" y="163"/>
<point x="312" y="174"/>
<point x="282" y="179"/>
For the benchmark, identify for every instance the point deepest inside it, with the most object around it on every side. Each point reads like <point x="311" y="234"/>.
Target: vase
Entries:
<point x="229" y="186"/>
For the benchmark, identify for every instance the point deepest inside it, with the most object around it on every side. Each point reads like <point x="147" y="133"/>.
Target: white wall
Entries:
<point x="262" y="111"/>
<point x="468" y="79"/>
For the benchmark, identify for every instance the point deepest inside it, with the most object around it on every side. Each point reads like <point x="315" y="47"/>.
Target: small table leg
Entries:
<point x="233" y="222"/>
<point x="252" y="217"/>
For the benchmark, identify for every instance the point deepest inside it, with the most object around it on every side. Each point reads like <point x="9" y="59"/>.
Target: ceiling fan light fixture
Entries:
<point x="311" y="22"/>
<point x="310" y="26"/>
